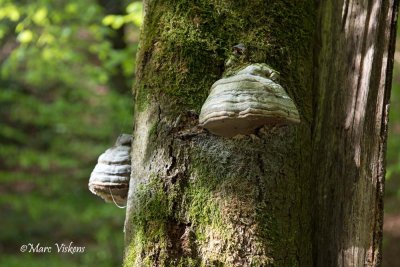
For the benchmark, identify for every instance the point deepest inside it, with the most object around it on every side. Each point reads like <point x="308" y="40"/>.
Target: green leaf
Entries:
<point x="135" y="13"/>
<point x="25" y="36"/>
<point x="108" y="20"/>
<point x="40" y="17"/>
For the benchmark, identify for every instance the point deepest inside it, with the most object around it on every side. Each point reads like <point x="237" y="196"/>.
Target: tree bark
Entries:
<point x="196" y="199"/>
<point x="354" y="48"/>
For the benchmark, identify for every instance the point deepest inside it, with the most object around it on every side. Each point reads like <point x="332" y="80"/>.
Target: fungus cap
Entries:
<point x="110" y="177"/>
<point x="246" y="101"/>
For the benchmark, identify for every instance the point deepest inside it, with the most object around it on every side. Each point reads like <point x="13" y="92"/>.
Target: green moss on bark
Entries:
<point x="154" y="211"/>
<point x="219" y="196"/>
<point x="185" y="43"/>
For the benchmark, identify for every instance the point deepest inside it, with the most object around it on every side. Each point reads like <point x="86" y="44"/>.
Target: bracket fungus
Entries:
<point x="110" y="177"/>
<point x="246" y="101"/>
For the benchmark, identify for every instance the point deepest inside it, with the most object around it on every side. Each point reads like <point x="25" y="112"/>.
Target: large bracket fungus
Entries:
<point x="246" y="101"/>
<point x="110" y="177"/>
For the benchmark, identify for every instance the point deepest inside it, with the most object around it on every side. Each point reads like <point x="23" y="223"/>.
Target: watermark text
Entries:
<point x="55" y="248"/>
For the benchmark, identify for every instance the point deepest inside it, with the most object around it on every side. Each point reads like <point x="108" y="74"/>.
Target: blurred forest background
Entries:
<point x="67" y="68"/>
<point x="65" y="95"/>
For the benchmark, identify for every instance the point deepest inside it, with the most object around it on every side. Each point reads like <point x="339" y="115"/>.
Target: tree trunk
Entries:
<point x="196" y="199"/>
<point x="355" y="46"/>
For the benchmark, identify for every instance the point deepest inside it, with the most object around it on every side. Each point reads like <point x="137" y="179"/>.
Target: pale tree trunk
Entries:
<point x="355" y="47"/>
<point x="300" y="195"/>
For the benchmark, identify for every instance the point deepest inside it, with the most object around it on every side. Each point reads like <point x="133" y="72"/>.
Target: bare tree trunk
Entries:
<point x="355" y="47"/>
<point x="196" y="199"/>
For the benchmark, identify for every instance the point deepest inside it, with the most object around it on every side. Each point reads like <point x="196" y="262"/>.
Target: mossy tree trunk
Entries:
<point x="196" y="199"/>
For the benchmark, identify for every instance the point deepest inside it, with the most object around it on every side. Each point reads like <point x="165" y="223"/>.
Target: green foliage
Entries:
<point x="394" y="128"/>
<point x="392" y="192"/>
<point x="60" y="107"/>
<point x="134" y="15"/>
<point x="393" y="143"/>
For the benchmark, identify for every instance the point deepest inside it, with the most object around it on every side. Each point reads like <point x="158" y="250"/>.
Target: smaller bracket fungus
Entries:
<point x="110" y="177"/>
<point x="246" y="101"/>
